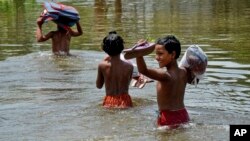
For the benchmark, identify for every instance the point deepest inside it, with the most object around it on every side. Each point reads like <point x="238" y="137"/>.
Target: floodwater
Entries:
<point x="44" y="97"/>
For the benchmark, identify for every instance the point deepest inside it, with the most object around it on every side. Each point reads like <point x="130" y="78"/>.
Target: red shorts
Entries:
<point x="173" y="118"/>
<point x="117" y="101"/>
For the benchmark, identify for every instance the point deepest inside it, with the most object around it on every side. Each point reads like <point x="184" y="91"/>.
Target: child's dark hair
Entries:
<point x="171" y="43"/>
<point x="61" y="28"/>
<point x="113" y="44"/>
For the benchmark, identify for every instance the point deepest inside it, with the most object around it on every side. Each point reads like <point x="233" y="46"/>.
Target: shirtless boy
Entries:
<point x="171" y="82"/>
<point x="60" y="38"/>
<point x="115" y="73"/>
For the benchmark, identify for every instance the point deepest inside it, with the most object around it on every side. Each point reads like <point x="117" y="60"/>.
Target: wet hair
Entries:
<point x="113" y="44"/>
<point x="171" y="43"/>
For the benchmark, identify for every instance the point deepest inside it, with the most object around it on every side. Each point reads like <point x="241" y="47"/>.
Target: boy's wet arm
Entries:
<point x="40" y="37"/>
<point x="100" y="78"/>
<point x="158" y="74"/>
<point x="39" y="34"/>
<point x="78" y="32"/>
<point x="141" y="65"/>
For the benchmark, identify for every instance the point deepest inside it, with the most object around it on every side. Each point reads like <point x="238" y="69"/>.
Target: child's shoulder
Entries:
<point x="183" y="71"/>
<point x="104" y="63"/>
<point x="128" y="63"/>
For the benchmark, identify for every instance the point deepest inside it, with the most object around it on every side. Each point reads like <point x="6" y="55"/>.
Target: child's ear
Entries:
<point x="173" y="54"/>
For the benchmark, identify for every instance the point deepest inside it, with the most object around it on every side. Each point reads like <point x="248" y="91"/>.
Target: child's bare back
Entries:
<point x="114" y="73"/>
<point x="60" y="42"/>
<point x="117" y="75"/>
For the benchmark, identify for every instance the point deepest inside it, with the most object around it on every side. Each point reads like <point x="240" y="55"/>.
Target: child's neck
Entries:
<point x="115" y="58"/>
<point x="172" y="65"/>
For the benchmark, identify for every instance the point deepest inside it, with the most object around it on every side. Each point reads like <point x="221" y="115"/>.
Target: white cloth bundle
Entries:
<point x="196" y="60"/>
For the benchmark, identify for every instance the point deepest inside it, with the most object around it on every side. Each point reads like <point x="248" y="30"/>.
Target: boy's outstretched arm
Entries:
<point x="100" y="78"/>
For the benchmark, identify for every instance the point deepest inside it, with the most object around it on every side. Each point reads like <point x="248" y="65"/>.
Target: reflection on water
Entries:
<point x="44" y="97"/>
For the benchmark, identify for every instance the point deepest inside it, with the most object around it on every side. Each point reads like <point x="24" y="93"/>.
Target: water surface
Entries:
<point x="44" y="97"/>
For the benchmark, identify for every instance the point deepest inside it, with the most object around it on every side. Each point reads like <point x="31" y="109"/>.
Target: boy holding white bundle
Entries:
<point x="171" y="81"/>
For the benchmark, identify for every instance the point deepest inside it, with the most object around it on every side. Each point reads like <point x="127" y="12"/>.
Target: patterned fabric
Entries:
<point x="117" y="101"/>
<point x="60" y="14"/>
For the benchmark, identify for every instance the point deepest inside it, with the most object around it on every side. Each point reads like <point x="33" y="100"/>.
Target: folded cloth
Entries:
<point x="117" y="101"/>
<point x="60" y="14"/>
<point x="140" y="81"/>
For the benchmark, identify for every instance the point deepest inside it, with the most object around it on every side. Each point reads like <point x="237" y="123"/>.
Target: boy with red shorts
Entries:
<point x="115" y="73"/>
<point x="171" y="82"/>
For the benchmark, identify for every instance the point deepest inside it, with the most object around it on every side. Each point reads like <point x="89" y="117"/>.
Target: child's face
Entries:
<point x="163" y="56"/>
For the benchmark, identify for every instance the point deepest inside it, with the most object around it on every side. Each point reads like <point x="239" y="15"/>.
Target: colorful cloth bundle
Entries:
<point x="60" y="14"/>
